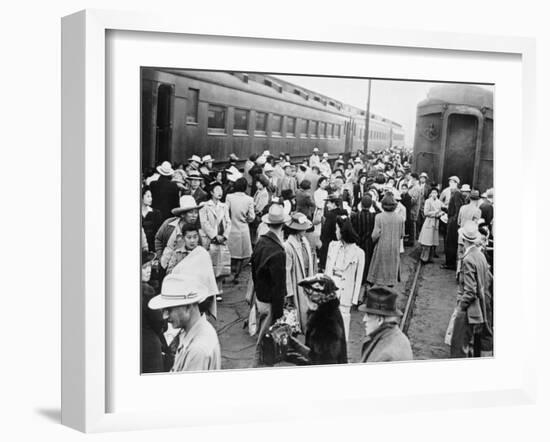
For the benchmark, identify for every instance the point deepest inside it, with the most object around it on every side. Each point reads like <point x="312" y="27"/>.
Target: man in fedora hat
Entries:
<point x="446" y="193"/>
<point x="472" y="333"/>
<point x="384" y="339"/>
<point x="470" y="211"/>
<point x="195" y="162"/>
<point x="269" y="273"/>
<point x="186" y="213"/>
<point x="198" y="348"/>
<point x="164" y="191"/>
<point x="195" y="179"/>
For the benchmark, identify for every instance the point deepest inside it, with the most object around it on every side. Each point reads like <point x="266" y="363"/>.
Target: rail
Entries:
<point x="407" y="314"/>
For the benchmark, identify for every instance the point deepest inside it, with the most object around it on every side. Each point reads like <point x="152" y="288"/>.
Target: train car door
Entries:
<point x="460" y="149"/>
<point x="164" y="123"/>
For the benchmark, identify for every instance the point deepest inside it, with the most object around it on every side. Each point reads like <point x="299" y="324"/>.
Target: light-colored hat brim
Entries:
<point x="267" y="220"/>
<point x="297" y="226"/>
<point x="180" y="210"/>
<point x="160" y="302"/>
<point x="165" y="173"/>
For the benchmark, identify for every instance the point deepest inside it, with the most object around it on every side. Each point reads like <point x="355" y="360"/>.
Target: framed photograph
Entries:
<point x="192" y="154"/>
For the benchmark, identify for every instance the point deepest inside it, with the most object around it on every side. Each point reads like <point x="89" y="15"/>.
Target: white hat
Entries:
<point x="266" y="153"/>
<point x="196" y="158"/>
<point x="276" y="215"/>
<point x="233" y="174"/>
<point x="187" y="202"/>
<point x="470" y="231"/>
<point x="357" y="160"/>
<point x="455" y="179"/>
<point x="261" y="160"/>
<point x="207" y="158"/>
<point x="268" y="168"/>
<point x="315" y="149"/>
<point x="423" y="174"/>
<point x="465" y="188"/>
<point x="178" y="289"/>
<point x="165" y="169"/>
<point x="325" y="155"/>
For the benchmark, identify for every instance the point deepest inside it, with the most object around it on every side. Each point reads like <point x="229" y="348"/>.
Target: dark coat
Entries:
<point x="151" y="223"/>
<point x="305" y="203"/>
<point x="153" y="343"/>
<point x="363" y="224"/>
<point x="487" y="212"/>
<point x="358" y="194"/>
<point x="326" y="336"/>
<point x="269" y="272"/>
<point x="388" y="343"/>
<point x="406" y="200"/>
<point x="451" y="240"/>
<point x="328" y="233"/>
<point x="166" y="196"/>
<point x="200" y="195"/>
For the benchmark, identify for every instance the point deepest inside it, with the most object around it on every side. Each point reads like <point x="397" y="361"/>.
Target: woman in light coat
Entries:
<point x="345" y="264"/>
<point x="216" y="225"/>
<point x="429" y="235"/>
<point x="299" y="264"/>
<point x="241" y="210"/>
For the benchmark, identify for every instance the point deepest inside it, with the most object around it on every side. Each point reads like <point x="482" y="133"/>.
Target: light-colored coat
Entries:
<point x="349" y="263"/>
<point x="429" y="235"/>
<point x="296" y="271"/>
<point x="241" y="210"/>
<point x="387" y="233"/>
<point x="212" y="215"/>
<point x="387" y="344"/>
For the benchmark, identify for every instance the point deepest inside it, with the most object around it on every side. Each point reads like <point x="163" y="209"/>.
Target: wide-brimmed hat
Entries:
<point x="455" y="179"/>
<point x="276" y="215"/>
<point x="178" y="289"/>
<point x="299" y="221"/>
<point x="268" y="168"/>
<point x="465" y="188"/>
<point x="474" y="195"/>
<point x="233" y="174"/>
<point x="470" y="231"/>
<point x="196" y="158"/>
<point x="187" y="203"/>
<point x="194" y="175"/>
<point x="179" y="176"/>
<point x="165" y="169"/>
<point x="321" y="288"/>
<point x="147" y="257"/>
<point x="325" y="155"/>
<point x="381" y="301"/>
<point x="423" y="174"/>
<point x="315" y="149"/>
<point x="207" y="158"/>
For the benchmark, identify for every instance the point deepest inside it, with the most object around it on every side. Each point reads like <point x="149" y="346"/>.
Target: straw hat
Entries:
<point x="455" y="179"/>
<point x="275" y="215"/>
<point x="315" y="149"/>
<point x="325" y="155"/>
<point x="195" y="158"/>
<point x="298" y="221"/>
<point x="177" y="290"/>
<point x="165" y="169"/>
<point x="187" y="203"/>
<point x="268" y="168"/>
<point x="423" y="174"/>
<point x="465" y="188"/>
<point x="207" y="158"/>
<point x="194" y="175"/>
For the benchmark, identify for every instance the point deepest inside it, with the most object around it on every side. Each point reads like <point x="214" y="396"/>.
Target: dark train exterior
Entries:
<point x="187" y="112"/>
<point x="454" y="135"/>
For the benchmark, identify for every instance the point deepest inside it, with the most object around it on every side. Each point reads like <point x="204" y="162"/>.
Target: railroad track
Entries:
<point x="407" y="314"/>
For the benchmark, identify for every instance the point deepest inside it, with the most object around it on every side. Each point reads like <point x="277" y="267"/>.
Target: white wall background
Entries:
<point x="30" y="143"/>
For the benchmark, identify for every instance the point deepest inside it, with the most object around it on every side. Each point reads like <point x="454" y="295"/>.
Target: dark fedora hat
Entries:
<point x="319" y="283"/>
<point x="381" y="301"/>
<point x="147" y="256"/>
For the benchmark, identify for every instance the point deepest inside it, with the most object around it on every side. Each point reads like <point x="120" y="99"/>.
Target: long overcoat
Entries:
<point x="345" y="265"/>
<point x="387" y="234"/>
<point x="241" y="210"/>
<point x="299" y="265"/>
<point x="429" y="235"/>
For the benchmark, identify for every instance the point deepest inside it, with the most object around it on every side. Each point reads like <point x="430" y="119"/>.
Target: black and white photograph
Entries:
<point x="298" y="220"/>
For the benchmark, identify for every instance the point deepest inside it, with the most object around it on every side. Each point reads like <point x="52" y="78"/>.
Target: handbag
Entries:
<point x="275" y="344"/>
<point x="221" y="259"/>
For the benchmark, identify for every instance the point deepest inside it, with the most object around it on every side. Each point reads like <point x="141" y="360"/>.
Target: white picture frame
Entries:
<point x="85" y="218"/>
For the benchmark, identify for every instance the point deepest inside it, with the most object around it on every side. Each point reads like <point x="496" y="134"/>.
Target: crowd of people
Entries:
<point x="322" y="236"/>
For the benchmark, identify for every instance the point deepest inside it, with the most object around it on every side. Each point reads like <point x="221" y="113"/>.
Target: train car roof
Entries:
<point x="464" y="94"/>
<point x="275" y="87"/>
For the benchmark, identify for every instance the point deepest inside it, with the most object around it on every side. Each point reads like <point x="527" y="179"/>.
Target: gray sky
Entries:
<point x="393" y="99"/>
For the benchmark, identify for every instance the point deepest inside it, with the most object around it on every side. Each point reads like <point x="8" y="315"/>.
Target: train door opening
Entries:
<point x="164" y="122"/>
<point x="460" y="151"/>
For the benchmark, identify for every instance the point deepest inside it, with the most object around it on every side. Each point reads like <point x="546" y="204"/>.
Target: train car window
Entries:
<point x="240" y="121"/>
<point x="277" y="124"/>
<point x="304" y="128"/>
<point x="338" y="128"/>
<point x="216" y="118"/>
<point x="192" y="105"/>
<point x="322" y="129"/>
<point x="261" y="123"/>
<point x="314" y="128"/>
<point x="330" y="130"/>
<point x="290" y="126"/>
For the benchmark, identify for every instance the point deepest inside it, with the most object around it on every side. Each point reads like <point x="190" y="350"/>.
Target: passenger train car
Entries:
<point x="454" y="135"/>
<point x="185" y="112"/>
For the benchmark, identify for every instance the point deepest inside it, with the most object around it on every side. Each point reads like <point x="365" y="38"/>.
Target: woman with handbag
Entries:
<point x="216" y="224"/>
